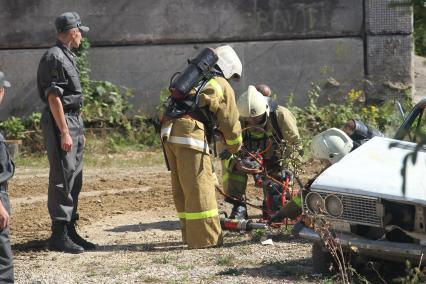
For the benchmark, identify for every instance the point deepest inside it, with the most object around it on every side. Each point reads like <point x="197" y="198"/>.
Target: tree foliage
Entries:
<point x="419" y="11"/>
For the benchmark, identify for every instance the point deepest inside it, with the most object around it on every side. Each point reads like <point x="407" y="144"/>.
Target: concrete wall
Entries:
<point x="389" y="49"/>
<point x="285" y="43"/>
<point x="118" y="22"/>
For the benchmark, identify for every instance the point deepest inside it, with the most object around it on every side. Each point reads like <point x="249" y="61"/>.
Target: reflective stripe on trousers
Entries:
<point x="198" y="215"/>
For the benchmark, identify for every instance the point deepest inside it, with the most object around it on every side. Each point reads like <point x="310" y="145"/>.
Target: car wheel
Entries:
<point x="321" y="259"/>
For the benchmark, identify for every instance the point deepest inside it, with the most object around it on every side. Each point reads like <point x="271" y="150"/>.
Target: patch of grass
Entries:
<point x="225" y="260"/>
<point x="150" y="279"/>
<point x="329" y="279"/>
<point x="184" y="266"/>
<point x="163" y="259"/>
<point x="257" y="234"/>
<point x="125" y="158"/>
<point x="92" y="274"/>
<point x="31" y="161"/>
<point x="286" y="230"/>
<point x="244" y="249"/>
<point x="174" y="282"/>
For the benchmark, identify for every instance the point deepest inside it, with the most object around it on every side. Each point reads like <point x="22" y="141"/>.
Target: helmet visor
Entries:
<point x="259" y="120"/>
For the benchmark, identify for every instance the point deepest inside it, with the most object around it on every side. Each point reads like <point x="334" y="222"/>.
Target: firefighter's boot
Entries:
<point x="239" y="212"/>
<point x="60" y="241"/>
<point x="239" y="209"/>
<point x="77" y="239"/>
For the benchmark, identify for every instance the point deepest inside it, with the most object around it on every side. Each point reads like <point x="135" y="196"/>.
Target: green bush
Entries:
<point x="32" y="122"/>
<point x="105" y="104"/>
<point x="13" y="128"/>
<point x="313" y="118"/>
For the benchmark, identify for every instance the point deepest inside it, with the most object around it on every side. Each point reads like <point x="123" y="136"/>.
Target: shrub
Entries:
<point x="313" y="118"/>
<point x="13" y="128"/>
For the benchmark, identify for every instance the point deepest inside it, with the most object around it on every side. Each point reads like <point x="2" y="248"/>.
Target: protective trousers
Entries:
<point x="6" y="261"/>
<point x="234" y="182"/>
<point x="63" y="194"/>
<point x="194" y="195"/>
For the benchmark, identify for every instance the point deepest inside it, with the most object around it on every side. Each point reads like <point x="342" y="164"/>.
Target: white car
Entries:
<point x="371" y="208"/>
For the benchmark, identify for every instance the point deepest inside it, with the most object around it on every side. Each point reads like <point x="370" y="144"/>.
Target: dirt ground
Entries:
<point x="129" y="213"/>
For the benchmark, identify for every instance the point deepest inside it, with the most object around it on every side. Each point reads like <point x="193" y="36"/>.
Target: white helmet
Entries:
<point x="228" y="61"/>
<point x="252" y="103"/>
<point x="332" y="145"/>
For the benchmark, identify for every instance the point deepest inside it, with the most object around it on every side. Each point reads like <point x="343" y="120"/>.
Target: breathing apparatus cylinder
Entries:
<point x="198" y="69"/>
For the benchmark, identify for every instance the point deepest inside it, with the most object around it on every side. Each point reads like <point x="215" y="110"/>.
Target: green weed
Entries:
<point x="163" y="259"/>
<point x="225" y="260"/>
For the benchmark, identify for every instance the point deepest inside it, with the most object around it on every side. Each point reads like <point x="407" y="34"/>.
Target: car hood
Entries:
<point x="374" y="169"/>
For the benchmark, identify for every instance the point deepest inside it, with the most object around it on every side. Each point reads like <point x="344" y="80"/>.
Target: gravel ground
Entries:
<point x="140" y="247"/>
<point x="129" y="213"/>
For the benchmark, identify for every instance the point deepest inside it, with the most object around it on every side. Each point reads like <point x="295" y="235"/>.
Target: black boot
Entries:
<point x="239" y="211"/>
<point x="76" y="238"/>
<point x="60" y="241"/>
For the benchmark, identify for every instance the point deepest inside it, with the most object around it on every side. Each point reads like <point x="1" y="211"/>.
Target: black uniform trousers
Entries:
<point x="6" y="260"/>
<point x="63" y="194"/>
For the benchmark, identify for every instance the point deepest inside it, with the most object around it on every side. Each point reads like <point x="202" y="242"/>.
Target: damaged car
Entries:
<point x="371" y="209"/>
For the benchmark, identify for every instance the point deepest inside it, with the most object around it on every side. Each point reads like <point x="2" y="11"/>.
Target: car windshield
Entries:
<point x="417" y="128"/>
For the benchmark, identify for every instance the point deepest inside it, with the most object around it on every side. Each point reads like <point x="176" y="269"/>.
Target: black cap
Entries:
<point x="3" y="82"/>
<point x="69" y="20"/>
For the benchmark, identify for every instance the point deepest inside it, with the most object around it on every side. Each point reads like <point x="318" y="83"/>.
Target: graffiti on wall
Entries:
<point x="288" y="16"/>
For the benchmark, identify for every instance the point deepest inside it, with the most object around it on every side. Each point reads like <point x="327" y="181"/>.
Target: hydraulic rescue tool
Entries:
<point x="277" y="188"/>
<point x="241" y="225"/>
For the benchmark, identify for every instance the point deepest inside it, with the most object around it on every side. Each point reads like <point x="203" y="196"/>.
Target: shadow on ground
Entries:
<point x="158" y="247"/>
<point x="299" y="269"/>
<point x="36" y="245"/>
<point x="162" y="225"/>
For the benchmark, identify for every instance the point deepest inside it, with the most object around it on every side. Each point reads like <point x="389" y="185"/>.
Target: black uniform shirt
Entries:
<point x="57" y="73"/>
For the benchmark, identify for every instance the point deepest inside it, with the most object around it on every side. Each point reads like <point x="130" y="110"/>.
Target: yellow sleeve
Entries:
<point x="220" y="98"/>
<point x="288" y="126"/>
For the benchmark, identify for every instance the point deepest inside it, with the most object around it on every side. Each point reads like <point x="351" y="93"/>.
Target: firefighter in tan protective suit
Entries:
<point x="187" y="152"/>
<point x="258" y="110"/>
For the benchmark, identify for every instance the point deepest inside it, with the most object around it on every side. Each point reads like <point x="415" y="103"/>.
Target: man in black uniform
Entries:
<point x="6" y="172"/>
<point x="59" y="87"/>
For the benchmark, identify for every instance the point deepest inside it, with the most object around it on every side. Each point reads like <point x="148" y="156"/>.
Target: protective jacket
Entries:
<point x="187" y="151"/>
<point x="235" y="182"/>
<point x="218" y="98"/>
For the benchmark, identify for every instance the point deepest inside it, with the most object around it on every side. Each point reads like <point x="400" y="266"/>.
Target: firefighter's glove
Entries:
<point x="225" y="155"/>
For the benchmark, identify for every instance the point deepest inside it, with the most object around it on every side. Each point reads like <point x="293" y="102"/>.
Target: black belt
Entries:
<point x="72" y="112"/>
